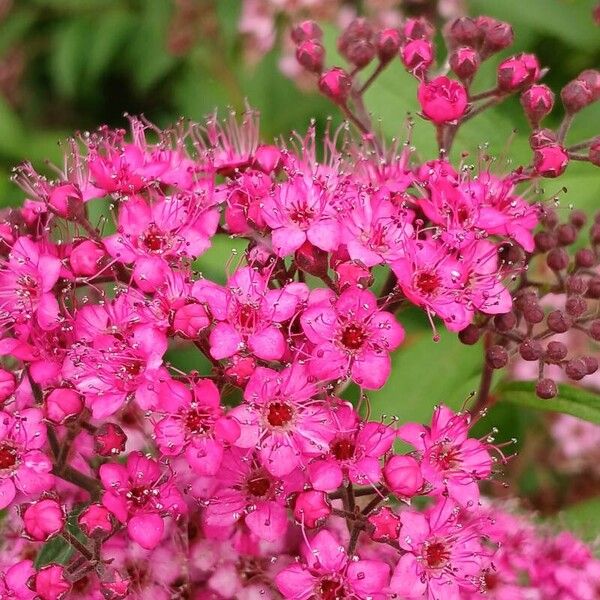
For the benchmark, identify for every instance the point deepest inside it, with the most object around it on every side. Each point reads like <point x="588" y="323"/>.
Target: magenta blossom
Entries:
<point x="13" y="581"/>
<point x="24" y="467"/>
<point x="352" y="337"/>
<point x="140" y="495"/>
<point x="283" y="418"/>
<point x="194" y="424"/>
<point x="442" y="100"/>
<point x="249" y="314"/>
<point x="327" y="573"/>
<point x="355" y="451"/>
<point x="450" y="461"/>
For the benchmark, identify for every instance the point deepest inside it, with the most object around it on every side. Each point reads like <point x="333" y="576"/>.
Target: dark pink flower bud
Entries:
<point x="312" y="260"/>
<point x="360" y="53"/>
<point x="497" y="35"/>
<point x="42" y="519"/>
<point x="550" y="161"/>
<point x="592" y="78"/>
<point x="63" y="404"/>
<point x="442" y="100"/>
<point x="415" y="29"/>
<point x="311" y="55"/>
<point x="190" y="320"/>
<point x="307" y="30"/>
<point x="357" y="43"/>
<point x="65" y="199"/>
<point x="594" y="153"/>
<point x="385" y="523"/>
<point x="85" y="258"/>
<point x="542" y="137"/>
<point x="51" y="583"/>
<point x="109" y="439"/>
<point x="7" y="384"/>
<point x="387" y="42"/>
<point x="95" y="520"/>
<point x="464" y="62"/>
<point x="117" y="589"/>
<point x="417" y="56"/>
<point x="518" y="72"/>
<point x="537" y="102"/>
<point x="352" y="273"/>
<point x="403" y="475"/>
<point x="311" y="508"/>
<point x="576" y="95"/>
<point x="267" y="157"/>
<point x="464" y="31"/>
<point x="241" y="369"/>
<point x="335" y="84"/>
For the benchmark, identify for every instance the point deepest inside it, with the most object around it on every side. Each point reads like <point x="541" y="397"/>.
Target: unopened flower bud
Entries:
<point x="267" y="158"/>
<point x="63" y="404"/>
<point x="464" y="62"/>
<point x="357" y="43"/>
<point x="65" y="200"/>
<point x="352" y="273"/>
<point x="403" y="475"/>
<point x="556" y="351"/>
<point x="578" y="218"/>
<point x="545" y="240"/>
<point x="576" y="95"/>
<point x="85" y="258"/>
<point x="43" y="519"/>
<point x="442" y="100"/>
<point x="385" y="523"/>
<point x="311" y="54"/>
<point x="585" y="258"/>
<point x="307" y="30"/>
<point x="546" y="389"/>
<point x="558" y="259"/>
<point x="360" y="53"/>
<point x="469" y="335"/>
<point x="51" y="582"/>
<point x="335" y="84"/>
<point x="592" y="78"/>
<point x="576" y="369"/>
<point x="95" y="520"/>
<point x="311" y="508"/>
<point x="575" y="285"/>
<point x="593" y="290"/>
<point x="312" y="260"/>
<point x="7" y="384"/>
<point x="549" y="217"/>
<point x="240" y="369"/>
<point x="591" y="364"/>
<point x="558" y="322"/>
<point x="109" y="439"/>
<point x="594" y="153"/>
<point x="190" y="320"/>
<point x="533" y="313"/>
<point x="464" y="31"/>
<point x="575" y="306"/>
<point x="518" y="72"/>
<point x="595" y="330"/>
<point x="566" y="234"/>
<point x="537" y="102"/>
<point x="417" y="56"/>
<point x="497" y="35"/>
<point x="119" y="589"/>
<point x="387" y="42"/>
<point x="550" y="161"/>
<point x="530" y="349"/>
<point x="505" y="322"/>
<point x="420" y="28"/>
<point x="541" y="137"/>
<point x="496" y="357"/>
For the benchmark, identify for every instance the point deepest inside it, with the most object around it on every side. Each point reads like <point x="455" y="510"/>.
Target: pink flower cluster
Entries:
<point x="126" y="476"/>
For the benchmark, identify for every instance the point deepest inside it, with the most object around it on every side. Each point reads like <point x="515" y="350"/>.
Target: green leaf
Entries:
<point x="69" y="56"/>
<point x="582" y="518"/>
<point x="578" y="402"/>
<point x="426" y="373"/>
<point x="56" y="550"/>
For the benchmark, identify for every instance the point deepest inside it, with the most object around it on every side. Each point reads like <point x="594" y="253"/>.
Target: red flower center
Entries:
<point x="353" y="336"/>
<point x="154" y="240"/>
<point x="445" y="456"/>
<point x="197" y="422"/>
<point x="139" y="496"/>
<point x="302" y="215"/>
<point x="427" y="283"/>
<point x="343" y="449"/>
<point x="436" y="555"/>
<point x="247" y="316"/>
<point x="258" y="484"/>
<point x="329" y="589"/>
<point x="8" y="456"/>
<point x="279" y="414"/>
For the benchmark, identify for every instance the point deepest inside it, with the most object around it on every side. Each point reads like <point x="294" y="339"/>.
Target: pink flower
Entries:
<point x="354" y="452"/>
<point x="249" y="314"/>
<point x="352" y="337"/>
<point x="246" y="490"/>
<point x="327" y="572"/>
<point x="403" y="475"/>
<point x="24" y="467"/>
<point x="194" y="423"/>
<point x="450" y="461"/>
<point x="300" y="210"/>
<point x="283" y="418"/>
<point x="13" y="581"/>
<point x="550" y="160"/>
<point x="442" y="100"/>
<point x="244" y="197"/>
<point x="140" y="495"/>
<point x="440" y="557"/>
<point x="26" y="282"/>
<point x="43" y="519"/>
<point x="172" y="228"/>
<point x="518" y="71"/>
<point x="95" y="520"/>
<point x="51" y="583"/>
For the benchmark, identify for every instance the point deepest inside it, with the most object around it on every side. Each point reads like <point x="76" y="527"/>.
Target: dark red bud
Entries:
<point x="311" y="54"/>
<point x="307" y="30"/>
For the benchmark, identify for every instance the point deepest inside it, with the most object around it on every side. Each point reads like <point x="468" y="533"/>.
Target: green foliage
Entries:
<point x="575" y="401"/>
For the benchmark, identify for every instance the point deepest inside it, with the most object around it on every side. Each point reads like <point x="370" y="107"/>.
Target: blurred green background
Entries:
<point x="70" y="65"/>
